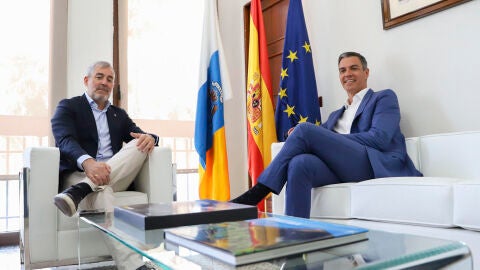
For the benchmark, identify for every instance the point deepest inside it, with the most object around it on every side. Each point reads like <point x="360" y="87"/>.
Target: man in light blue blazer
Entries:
<point x="362" y="140"/>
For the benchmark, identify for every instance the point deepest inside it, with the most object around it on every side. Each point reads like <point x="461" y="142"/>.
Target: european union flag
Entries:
<point x="297" y="97"/>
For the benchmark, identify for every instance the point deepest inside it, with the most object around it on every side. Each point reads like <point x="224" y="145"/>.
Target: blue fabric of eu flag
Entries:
<point x="298" y="98"/>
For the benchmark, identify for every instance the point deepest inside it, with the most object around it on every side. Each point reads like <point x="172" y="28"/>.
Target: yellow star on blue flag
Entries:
<point x="298" y="98"/>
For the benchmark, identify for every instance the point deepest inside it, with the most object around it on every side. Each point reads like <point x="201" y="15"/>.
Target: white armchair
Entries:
<point x="47" y="237"/>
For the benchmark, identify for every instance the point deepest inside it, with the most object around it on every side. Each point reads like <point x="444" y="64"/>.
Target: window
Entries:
<point x="24" y="99"/>
<point x="163" y="40"/>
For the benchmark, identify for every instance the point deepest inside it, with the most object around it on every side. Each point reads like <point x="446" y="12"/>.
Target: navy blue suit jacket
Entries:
<point x="75" y="130"/>
<point x="377" y="126"/>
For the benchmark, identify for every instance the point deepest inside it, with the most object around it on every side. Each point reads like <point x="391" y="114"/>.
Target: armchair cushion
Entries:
<point x="415" y="200"/>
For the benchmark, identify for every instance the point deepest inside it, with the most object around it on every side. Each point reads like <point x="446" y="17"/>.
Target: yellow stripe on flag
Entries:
<point x="214" y="182"/>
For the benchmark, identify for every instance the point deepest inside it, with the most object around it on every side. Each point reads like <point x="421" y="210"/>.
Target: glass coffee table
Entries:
<point x="382" y="250"/>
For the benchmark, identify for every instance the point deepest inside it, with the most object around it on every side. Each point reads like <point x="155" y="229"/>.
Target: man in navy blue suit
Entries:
<point x="94" y="162"/>
<point x="90" y="132"/>
<point x="360" y="141"/>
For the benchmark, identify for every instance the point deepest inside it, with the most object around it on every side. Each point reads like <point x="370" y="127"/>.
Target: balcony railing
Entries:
<point x="9" y="203"/>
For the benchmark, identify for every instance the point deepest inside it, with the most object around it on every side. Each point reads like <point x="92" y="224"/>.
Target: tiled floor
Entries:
<point x="10" y="257"/>
<point x="10" y="260"/>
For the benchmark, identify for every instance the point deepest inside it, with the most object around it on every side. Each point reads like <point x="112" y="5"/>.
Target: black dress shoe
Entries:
<point x="254" y="195"/>
<point x="68" y="200"/>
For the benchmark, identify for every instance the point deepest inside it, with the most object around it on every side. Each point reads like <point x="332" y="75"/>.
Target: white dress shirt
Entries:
<point x="344" y="123"/>
<point x="104" y="151"/>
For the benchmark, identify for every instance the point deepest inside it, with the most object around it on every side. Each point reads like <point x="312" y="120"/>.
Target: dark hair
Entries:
<point x="354" y="54"/>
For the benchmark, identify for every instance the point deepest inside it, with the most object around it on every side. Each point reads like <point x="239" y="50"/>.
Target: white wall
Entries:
<point x="430" y="63"/>
<point x="90" y="39"/>
<point x="231" y="28"/>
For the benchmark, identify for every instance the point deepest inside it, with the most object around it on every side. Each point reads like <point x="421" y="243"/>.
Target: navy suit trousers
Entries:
<point x="314" y="156"/>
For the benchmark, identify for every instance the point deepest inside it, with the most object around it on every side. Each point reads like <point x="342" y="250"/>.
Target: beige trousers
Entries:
<point x="125" y="166"/>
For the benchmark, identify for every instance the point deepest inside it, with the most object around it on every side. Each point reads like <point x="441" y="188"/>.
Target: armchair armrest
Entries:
<point x="40" y="185"/>
<point x="156" y="176"/>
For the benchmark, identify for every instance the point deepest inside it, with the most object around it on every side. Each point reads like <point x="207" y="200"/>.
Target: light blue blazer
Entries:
<point x="377" y="126"/>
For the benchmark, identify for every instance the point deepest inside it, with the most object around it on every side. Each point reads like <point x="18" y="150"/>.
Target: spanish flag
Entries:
<point x="209" y="124"/>
<point x="260" y="108"/>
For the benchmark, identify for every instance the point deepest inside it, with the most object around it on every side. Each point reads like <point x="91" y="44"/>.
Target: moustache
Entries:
<point x="103" y="88"/>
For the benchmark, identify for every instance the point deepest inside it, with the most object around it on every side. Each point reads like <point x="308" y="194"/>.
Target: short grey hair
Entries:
<point x="354" y="54"/>
<point x="101" y="64"/>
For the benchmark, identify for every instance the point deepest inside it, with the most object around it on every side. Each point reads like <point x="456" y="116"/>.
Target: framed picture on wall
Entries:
<point x="397" y="12"/>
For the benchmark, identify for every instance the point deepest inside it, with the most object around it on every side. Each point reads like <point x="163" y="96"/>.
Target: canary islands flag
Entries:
<point x="209" y="123"/>
<point x="297" y="97"/>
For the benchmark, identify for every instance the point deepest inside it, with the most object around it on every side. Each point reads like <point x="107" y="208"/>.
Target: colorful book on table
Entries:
<point x="248" y="241"/>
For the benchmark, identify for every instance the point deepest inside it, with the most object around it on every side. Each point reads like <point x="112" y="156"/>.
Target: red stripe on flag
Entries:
<point x="260" y="111"/>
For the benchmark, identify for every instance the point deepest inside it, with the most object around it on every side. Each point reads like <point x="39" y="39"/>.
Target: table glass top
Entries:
<point x="381" y="250"/>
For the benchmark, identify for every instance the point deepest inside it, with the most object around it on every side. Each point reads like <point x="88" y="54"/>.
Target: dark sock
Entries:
<point x="78" y="191"/>
<point x="254" y="195"/>
<point x="85" y="189"/>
